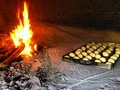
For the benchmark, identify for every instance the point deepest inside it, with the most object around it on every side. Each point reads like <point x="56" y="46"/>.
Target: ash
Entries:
<point x="36" y="74"/>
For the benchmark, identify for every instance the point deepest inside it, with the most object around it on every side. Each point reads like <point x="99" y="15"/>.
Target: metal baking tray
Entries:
<point x="68" y="58"/>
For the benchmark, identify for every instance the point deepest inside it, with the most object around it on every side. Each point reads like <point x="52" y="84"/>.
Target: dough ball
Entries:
<point x="102" y="59"/>
<point x="99" y="44"/>
<point x="118" y="49"/>
<point x="105" y="54"/>
<point x="96" y="52"/>
<point x="113" y="57"/>
<point x="111" y="61"/>
<point x="97" y="61"/>
<point x="66" y="56"/>
<point x="83" y="48"/>
<point x="93" y="43"/>
<point x="89" y="57"/>
<point x="76" y="57"/>
<point x="77" y="52"/>
<point x="108" y="51"/>
<point x="98" y="56"/>
<point x="92" y="54"/>
<point x="71" y="54"/>
<point x="94" y="47"/>
<point x="104" y="47"/>
<point x="84" y="53"/>
<point x="116" y="55"/>
<point x="105" y="44"/>
<point x="99" y="50"/>
<point x="80" y="55"/>
<point x="89" y="51"/>
<point x="88" y="46"/>
<point x="117" y="52"/>
<point x="111" y="50"/>
<point x="85" y="59"/>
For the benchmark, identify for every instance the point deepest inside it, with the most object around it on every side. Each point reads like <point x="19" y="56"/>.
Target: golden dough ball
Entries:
<point x="88" y="46"/>
<point x="92" y="54"/>
<point x="80" y="55"/>
<point x="94" y="47"/>
<point x="99" y="50"/>
<point x="97" y="61"/>
<point x="77" y="52"/>
<point x="96" y="52"/>
<point x="111" y="60"/>
<point x="93" y="43"/>
<point x="83" y="48"/>
<point x="89" y="57"/>
<point x="118" y="49"/>
<point x="105" y="54"/>
<point x="113" y="57"/>
<point x="76" y="57"/>
<point x="102" y="59"/>
<point x="117" y="52"/>
<point x="85" y="59"/>
<point x="116" y="55"/>
<point x="84" y="53"/>
<point x="111" y="49"/>
<point x="117" y="45"/>
<point x="104" y="47"/>
<point x="67" y="56"/>
<point x="108" y="51"/>
<point x="98" y="56"/>
<point x="99" y="44"/>
<point x="71" y="54"/>
<point x="105" y="44"/>
<point x="89" y="51"/>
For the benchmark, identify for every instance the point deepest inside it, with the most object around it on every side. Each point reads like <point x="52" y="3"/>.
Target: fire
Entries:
<point x="23" y="33"/>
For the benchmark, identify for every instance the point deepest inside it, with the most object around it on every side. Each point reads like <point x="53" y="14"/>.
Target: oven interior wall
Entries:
<point x="102" y="17"/>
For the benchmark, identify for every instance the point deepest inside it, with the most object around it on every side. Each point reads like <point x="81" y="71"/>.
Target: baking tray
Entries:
<point x="68" y="58"/>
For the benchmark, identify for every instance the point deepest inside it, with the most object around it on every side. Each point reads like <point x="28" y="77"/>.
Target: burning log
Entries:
<point x="12" y="56"/>
<point x="15" y="54"/>
<point x="3" y="50"/>
<point x="6" y="52"/>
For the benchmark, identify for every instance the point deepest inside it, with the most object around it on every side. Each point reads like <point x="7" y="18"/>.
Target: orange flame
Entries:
<point x="23" y="33"/>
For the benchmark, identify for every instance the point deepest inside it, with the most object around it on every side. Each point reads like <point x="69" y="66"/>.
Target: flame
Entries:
<point x="23" y="33"/>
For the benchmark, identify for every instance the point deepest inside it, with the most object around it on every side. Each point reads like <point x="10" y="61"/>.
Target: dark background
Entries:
<point x="82" y="13"/>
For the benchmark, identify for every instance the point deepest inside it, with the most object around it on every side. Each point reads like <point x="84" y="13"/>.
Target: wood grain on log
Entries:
<point x="14" y="54"/>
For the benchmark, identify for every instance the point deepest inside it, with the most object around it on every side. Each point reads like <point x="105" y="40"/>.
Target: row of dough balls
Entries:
<point x="110" y="61"/>
<point x="97" y="48"/>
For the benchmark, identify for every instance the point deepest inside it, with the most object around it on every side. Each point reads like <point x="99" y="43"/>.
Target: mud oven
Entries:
<point x="59" y="45"/>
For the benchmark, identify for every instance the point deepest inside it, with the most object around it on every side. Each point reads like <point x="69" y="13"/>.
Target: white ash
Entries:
<point x="35" y="75"/>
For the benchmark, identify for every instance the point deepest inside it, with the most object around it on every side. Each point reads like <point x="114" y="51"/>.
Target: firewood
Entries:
<point x="15" y="54"/>
<point x="6" y="49"/>
<point x="12" y="57"/>
<point x="4" y="53"/>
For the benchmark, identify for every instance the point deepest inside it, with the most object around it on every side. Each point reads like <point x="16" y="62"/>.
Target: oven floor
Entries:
<point x="77" y="76"/>
<point x="83" y="77"/>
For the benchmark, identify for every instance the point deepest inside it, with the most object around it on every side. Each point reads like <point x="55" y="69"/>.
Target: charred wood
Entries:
<point x="12" y="57"/>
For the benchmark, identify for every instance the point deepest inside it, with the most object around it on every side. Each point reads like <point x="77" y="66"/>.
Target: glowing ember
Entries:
<point x="23" y="33"/>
